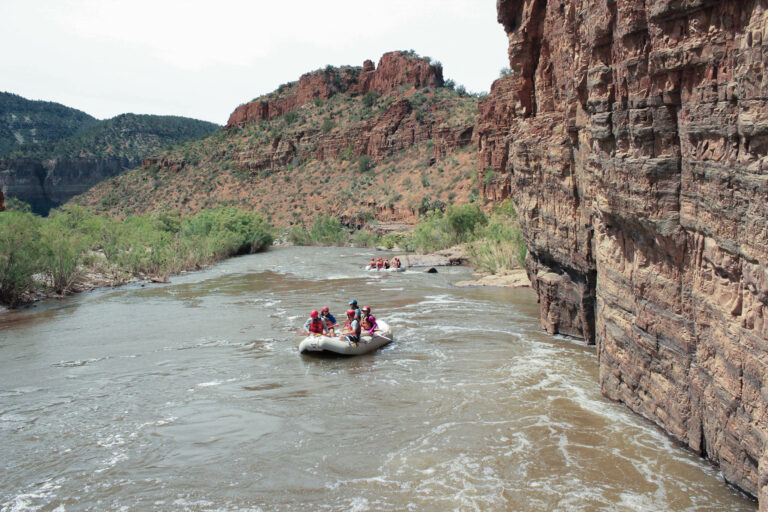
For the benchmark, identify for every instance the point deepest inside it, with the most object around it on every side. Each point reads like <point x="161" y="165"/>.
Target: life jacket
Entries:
<point x="370" y="323"/>
<point x="386" y="264"/>
<point x="348" y="327"/>
<point x="316" y="326"/>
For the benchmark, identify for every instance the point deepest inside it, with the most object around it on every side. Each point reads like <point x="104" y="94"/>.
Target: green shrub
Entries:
<point x="370" y="98"/>
<point x="438" y="230"/>
<point x="364" y="164"/>
<point x="19" y="254"/>
<point x="290" y="117"/>
<point x="364" y="238"/>
<point x="325" y="230"/>
<point x="61" y="256"/>
<point x="501" y="245"/>
<point x="391" y="240"/>
<point x="464" y="220"/>
<point x="328" y="125"/>
<point x="432" y="233"/>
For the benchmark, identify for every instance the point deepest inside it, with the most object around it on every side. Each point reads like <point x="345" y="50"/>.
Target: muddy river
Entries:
<point x="192" y="396"/>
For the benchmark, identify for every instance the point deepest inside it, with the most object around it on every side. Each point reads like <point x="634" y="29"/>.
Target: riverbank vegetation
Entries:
<point x="493" y="240"/>
<point x="55" y="254"/>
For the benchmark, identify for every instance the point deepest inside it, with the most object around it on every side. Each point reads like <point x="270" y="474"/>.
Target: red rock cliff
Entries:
<point x="395" y="70"/>
<point x="634" y="138"/>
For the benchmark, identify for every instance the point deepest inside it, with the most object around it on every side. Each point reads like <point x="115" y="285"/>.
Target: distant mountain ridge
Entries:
<point x="26" y="123"/>
<point x="50" y="152"/>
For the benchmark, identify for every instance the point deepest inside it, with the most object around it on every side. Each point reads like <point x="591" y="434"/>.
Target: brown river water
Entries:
<point x="192" y="396"/>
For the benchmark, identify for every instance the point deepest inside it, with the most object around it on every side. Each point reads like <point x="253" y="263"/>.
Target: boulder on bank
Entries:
<point x="452" y="256"/>
<point x="513" y="279"/>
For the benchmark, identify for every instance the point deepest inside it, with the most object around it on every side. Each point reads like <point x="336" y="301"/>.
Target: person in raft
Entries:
<point x="369" y="321"/>
<point x="351" y="330"/>
<point x="330" y="321"/>
<point x="373" y="263"/>
<point x="380" y="263"/>
<point x="396" y="263"/>
<point x="315" y="325"/>
<point x="353" y="307"/>
<point x="386" y="263"/>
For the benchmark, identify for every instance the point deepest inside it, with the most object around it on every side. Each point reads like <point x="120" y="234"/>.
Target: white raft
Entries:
<point x="390" y="269"/>
<point x="367" y="343"/>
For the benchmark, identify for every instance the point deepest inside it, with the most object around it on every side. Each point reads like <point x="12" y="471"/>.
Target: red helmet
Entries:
<point x="350" y="312"/>
<point x="325" y="309"/>
<point x="367" y="308"/>
<point x="314" y="314"/>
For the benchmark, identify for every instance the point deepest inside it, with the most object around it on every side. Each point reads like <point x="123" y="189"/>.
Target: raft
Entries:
<point x="390" y="269"/>
<point x="367" y="343"/>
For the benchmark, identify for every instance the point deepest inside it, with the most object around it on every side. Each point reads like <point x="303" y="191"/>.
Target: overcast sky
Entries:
<point x="202" y="58"/>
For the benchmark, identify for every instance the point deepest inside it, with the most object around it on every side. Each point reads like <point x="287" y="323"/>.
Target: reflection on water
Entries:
<point x="192" y="396"/>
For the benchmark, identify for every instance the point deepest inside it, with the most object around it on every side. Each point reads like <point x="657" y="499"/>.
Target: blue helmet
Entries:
<point x="353" y="303"/>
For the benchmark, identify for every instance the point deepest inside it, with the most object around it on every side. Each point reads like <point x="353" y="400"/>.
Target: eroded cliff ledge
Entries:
<point x="633" y="137"/>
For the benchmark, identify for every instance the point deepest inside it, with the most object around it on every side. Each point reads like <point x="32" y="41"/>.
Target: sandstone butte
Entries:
<point x="395" y="70"/>
<point x="419" y="135"/>
<point x="632" y="136"/>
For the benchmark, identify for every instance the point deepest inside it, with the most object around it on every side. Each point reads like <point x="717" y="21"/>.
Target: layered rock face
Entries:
<point x="395" y="70"/>
<point x="46" y="184"/>
<point x="634" y="135"/>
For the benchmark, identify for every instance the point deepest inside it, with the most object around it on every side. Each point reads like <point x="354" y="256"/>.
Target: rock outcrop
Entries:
<point x="395" y="70"/>
<point x="395" y="129"/>
<point x="634" y="135"/>
<point x="49" y="183"/>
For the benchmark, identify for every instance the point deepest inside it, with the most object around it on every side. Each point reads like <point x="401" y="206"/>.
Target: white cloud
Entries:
<point x="202" y="58"/>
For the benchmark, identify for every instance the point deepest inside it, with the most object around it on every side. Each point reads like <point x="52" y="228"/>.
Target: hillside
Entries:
<point x="54" y="153"/>
<point x="26" y="124"/>
<point x="358" y="142"/>
<point x="130" y="136"/>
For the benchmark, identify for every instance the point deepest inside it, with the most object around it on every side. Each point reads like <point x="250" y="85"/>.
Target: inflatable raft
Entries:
<point x="390" y="269"/>
<point x="367" y="343"/>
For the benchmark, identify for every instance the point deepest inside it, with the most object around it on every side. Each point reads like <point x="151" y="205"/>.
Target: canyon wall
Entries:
<point x="633" y="137"/>
<point x="49" y="183"/>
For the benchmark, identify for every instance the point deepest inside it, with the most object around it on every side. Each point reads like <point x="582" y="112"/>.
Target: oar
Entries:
<point x="380" y="336"/>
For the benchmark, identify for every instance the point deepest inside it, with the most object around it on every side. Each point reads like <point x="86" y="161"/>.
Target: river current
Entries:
<point x="192" y="396"/>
